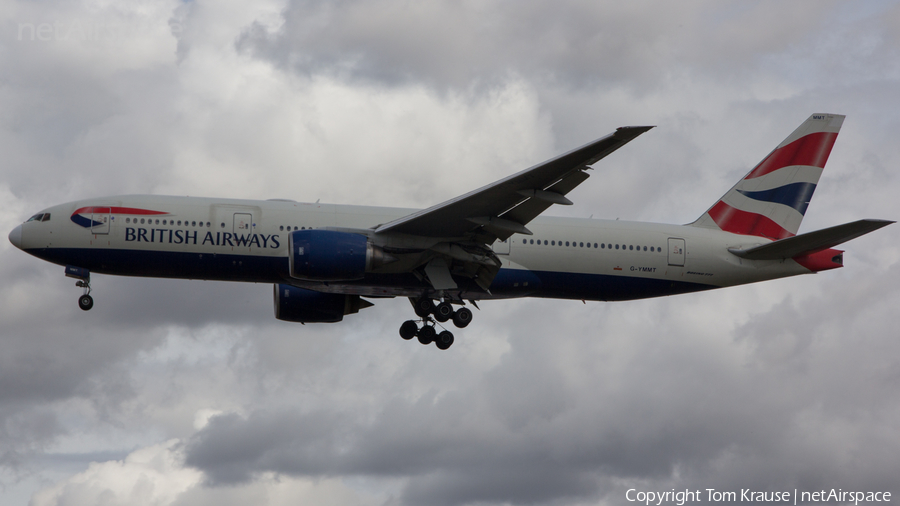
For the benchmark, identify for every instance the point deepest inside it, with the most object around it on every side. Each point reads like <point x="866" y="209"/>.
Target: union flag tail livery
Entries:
<point x="490" y="243"/>
<point x="772" y="199"/>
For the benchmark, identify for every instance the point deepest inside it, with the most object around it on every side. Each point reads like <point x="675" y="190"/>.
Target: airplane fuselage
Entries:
<point x="247" y="240"/>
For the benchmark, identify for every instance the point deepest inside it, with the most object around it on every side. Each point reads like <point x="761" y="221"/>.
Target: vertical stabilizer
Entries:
<point x="772" y="199"/>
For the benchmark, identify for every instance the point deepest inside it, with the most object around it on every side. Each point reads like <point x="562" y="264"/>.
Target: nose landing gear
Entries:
<point x="432" y="315"/>
<point x="85" y="302"/>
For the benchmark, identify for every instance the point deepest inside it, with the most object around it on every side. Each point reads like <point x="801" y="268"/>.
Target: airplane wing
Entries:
<point x="502" y="208"/>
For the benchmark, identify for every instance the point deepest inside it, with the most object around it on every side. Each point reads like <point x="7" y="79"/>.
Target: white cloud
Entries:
<point x="150" y="476"/>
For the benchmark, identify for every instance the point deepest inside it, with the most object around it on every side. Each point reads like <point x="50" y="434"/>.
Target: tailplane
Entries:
<point x="772" y="199"/>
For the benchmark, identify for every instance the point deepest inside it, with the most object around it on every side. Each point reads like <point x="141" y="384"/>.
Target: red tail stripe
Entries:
<point x="812" y="149"/>
<point x="117" y="210"/>
<point x="736" y="221"/>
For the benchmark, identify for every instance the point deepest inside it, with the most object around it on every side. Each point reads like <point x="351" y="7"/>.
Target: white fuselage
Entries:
<point x="247" y="240"/>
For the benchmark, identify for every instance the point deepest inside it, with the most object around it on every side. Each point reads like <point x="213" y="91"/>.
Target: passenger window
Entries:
<point x="581" y="244"/>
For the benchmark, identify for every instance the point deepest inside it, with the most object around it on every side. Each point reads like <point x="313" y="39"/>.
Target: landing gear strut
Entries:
<point x="85" y="302"/>
<point x="433" y="315"/>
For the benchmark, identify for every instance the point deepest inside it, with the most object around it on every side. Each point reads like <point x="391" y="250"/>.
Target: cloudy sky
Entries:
<point x="176" y="392"/>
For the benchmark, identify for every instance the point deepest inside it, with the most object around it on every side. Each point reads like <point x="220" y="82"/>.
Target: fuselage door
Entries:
<point x="501" y="247"/>
<point x="100" y="220"/>
<point x="243" y="224"/>
<point x="676" y="252"/>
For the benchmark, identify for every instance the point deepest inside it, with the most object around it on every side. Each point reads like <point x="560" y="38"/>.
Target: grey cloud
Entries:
<point x="448" y="43"/>
<point x="571" y="45"/>
<point x="531" y="433"/>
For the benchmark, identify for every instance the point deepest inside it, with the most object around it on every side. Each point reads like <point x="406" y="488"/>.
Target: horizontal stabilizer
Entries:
<point x="811" y="242"/>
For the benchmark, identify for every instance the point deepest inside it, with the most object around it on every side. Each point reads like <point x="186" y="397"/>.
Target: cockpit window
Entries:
<point x="36" y="217"/>
<point x="46" y="217"/>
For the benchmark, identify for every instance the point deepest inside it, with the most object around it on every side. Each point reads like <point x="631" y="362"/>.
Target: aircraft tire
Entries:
<point x="408" y="330"/>
<point x="424" y="307"/>
<point x="444" y="340"/>
<point x="426" y="334"/>
<point x="462" y="317"/>
<point x="85" y="302"/>
<point x="443" y="312"/>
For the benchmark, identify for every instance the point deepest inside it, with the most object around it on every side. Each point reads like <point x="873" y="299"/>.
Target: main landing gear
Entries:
<point x="433" y="315"/>
<point x="85" y="302"/>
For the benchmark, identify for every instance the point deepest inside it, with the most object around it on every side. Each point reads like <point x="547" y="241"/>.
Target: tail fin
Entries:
<point x="771" y="200"/>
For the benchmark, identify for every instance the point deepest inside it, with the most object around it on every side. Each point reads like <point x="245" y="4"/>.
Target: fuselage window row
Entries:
<point x="187" y="223"/>
<point x="596" y="246"/>
<point x="148" y="221"/>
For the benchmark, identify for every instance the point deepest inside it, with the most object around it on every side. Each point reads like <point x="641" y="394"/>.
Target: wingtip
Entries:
<point x="632" y="130"/>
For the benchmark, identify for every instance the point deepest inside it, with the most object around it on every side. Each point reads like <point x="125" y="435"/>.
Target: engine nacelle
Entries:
<point x="293" y="304"/>
<point x="327" y="255"/>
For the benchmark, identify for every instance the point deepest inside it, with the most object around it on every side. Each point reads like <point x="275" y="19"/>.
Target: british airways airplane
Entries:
<point x="325" y="260"/>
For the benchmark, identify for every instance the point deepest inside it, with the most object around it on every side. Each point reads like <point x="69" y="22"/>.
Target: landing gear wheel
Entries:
<point x="426" y="334"/>
<point x="443" y="312"/>
<point x="462" y="317"/>
<point x="424" y="307"/>
<point x="444" y="340"/>
<point x="408" y="330"/>
<point x="85" y="302"/>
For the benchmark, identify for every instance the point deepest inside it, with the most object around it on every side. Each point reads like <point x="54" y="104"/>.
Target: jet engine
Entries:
<point x="328" y="255"/>
<point x="293" y="304"/>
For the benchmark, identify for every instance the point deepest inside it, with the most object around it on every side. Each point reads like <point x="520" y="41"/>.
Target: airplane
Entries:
<point x="326" y="260"/>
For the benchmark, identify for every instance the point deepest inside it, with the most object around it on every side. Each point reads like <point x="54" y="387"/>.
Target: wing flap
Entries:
<point x="810" y="242"/>
<point x="531" y="208"/>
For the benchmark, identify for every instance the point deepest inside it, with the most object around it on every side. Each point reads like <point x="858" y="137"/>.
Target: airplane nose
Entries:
<point x="15" y="237"/>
